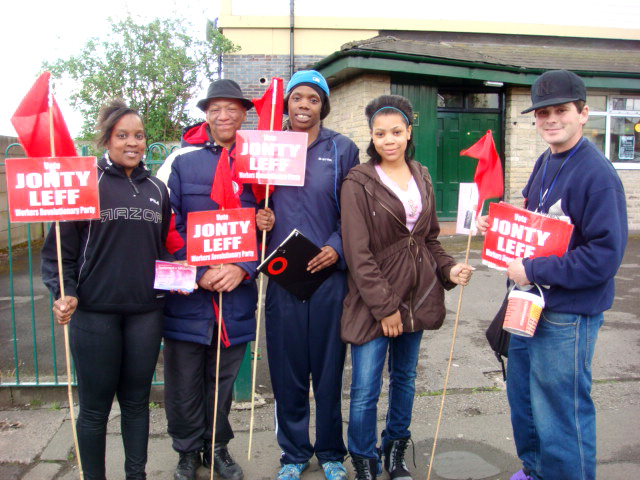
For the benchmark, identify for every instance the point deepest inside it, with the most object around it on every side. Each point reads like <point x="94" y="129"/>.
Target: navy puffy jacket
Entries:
<point x="191" y="318"/>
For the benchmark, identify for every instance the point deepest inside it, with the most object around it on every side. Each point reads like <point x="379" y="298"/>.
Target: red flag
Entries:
<point x="260" y="193"/>
<point x="271" y="104"/>
<point x="488" y="176"/>
<point x="225" y="191"/>
<point x="31" y="122"/>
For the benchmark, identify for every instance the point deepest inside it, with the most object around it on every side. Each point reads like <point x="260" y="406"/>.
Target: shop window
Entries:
<point x="624" y="139"/>
<point x="614" y="127"/>
<point x="596" y="130"/>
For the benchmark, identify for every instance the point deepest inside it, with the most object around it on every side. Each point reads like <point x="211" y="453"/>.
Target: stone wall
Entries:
<point x="348" y="101"/>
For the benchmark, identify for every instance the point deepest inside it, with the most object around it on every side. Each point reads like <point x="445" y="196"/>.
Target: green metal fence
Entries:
<point x="32" y="352"/>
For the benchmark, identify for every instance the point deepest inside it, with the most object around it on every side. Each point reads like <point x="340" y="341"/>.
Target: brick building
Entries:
<point x="462" y="77"/>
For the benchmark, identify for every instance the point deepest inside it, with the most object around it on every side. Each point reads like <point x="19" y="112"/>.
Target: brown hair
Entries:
<point x="110" y="114"/>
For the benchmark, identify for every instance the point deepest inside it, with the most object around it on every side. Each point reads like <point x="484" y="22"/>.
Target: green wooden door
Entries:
<point x="455" y="132"/>
<point x="423" y="99"/>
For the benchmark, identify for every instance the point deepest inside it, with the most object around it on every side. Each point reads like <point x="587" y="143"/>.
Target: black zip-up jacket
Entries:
<point x="109" y="264"/>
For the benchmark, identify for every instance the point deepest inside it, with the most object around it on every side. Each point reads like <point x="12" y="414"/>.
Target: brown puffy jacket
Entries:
<point x="390" y="268"/>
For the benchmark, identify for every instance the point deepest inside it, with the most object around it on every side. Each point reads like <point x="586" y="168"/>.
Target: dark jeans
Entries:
<point x="189" y="392"/>
<point x="114" y="355"/>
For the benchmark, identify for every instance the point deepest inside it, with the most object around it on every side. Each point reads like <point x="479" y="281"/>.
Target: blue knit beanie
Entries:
<point x="309" y="77"/>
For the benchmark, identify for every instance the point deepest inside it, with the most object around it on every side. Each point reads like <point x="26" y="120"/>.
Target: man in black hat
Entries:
<point x="549" y="374"/>
<point x="190" y="326"/>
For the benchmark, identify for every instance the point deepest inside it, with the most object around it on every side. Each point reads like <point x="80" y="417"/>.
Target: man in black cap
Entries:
<point x="190" y="326"/>
<point x="549" y="374"/>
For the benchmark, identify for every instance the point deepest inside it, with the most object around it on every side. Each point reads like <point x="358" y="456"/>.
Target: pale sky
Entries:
<point x="37" y="30"/>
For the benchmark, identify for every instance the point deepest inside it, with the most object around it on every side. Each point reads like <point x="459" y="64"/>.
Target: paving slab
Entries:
<point x="60" y="445"/>
<point x="31" y="434"/>
<point x="42" y="471"/>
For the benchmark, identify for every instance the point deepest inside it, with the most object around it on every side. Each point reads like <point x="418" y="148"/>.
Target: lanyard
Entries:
<point x="543" y="196"/>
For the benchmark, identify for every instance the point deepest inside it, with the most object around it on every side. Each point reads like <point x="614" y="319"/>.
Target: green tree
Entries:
<point x="156" y="68"/>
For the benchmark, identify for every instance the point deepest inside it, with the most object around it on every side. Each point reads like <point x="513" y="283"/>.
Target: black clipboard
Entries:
<point x="287" y="265"/>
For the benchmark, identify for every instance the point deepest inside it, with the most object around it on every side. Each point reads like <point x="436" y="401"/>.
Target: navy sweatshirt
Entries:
<point x="589" y="192"/>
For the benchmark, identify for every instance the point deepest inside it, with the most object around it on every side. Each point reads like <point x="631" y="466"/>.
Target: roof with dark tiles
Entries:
<point x="587" y="55"/>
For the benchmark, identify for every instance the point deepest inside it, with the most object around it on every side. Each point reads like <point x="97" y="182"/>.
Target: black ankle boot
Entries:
<point x="187" y="466"/>
<point x="223" y="463"/>
<point x="366" y="468"/>
<point x="394" y="462"/>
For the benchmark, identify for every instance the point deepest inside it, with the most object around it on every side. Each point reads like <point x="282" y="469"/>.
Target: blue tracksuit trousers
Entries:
<point x="303" y="340"/>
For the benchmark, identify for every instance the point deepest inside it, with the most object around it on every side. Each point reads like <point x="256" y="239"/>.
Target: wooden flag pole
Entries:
<point x="446" y="378"/>
<point x="67" y="347"/>
<point x="260" y="290"/>
<point x="215" y="396"/>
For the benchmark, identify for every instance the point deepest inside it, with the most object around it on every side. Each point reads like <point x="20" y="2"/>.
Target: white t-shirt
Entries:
<point x="410" y="197"/>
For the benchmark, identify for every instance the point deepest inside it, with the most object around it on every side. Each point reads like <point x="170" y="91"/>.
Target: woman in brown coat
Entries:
<point x="397" y="275"/>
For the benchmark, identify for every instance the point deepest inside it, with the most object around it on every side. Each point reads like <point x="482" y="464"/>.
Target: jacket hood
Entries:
<point x="195" y="135"/>
<point x="139" y="173"/>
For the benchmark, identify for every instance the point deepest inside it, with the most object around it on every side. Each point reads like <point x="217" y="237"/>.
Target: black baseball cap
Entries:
<point x="556" y="87"/>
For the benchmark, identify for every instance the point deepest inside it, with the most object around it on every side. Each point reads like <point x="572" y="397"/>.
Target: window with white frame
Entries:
<point x="614" y="126"/>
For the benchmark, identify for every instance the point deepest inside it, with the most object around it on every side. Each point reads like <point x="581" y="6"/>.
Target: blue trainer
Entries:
<point x="292" y="471"/>
<point x="334" y="471"/>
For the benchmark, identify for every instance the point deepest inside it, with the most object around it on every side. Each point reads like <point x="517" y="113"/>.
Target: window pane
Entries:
<point x="597" y="103"/>
<point x="483" y="100"/>
<point x="450" y="100"/>
<point x="625" y="104"/>
<point x="595" y="131"/>
<point x="625" y="139"/>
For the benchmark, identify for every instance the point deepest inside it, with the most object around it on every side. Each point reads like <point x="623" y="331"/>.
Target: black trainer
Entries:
<point x="223" y="463"/>
<point x="187" y="466"/>
<point x="366" y="468"/>
<point x="394" y="462"/>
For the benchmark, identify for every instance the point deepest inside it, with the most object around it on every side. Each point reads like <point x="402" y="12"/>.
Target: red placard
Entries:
<point x="221" y="236"/>
<point x="45" y="189"/>
<point x="276" y="158"/>
<point x="518" y="233"/>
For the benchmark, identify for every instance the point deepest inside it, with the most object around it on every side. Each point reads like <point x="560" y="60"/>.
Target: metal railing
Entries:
<point x="31" y="327"/>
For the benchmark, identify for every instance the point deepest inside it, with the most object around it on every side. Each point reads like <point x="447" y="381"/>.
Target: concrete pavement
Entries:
<point x="475" y="439"/>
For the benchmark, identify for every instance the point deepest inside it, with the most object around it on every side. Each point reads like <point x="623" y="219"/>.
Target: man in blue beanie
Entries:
<point x="549" y="374"/>
<point x="314" y="325"/>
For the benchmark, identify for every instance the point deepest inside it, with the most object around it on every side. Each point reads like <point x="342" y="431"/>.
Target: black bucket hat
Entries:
<point x="556" y="87"/>
<point x="224" y="88"/>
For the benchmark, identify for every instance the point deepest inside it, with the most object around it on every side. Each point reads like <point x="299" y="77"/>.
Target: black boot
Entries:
<point x="187" y="466"/>
<point x="223" y="464"/>
<point x="394" y="462"/>
<point x="366" y="468"/>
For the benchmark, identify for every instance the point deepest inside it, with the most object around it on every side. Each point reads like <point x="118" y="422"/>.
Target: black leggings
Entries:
<point x="114" y="354"/>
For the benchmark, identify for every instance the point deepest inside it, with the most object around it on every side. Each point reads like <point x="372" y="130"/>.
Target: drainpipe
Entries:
<point x="291" y="29"/>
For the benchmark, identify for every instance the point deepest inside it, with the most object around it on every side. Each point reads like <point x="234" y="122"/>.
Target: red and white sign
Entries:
<point x="45" y="189"/>
<point x="276" y="158"/>
<point x="221" y="236"/>
<point x="518" y="233"/>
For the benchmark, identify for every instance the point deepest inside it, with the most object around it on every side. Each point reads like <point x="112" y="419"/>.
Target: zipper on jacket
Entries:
<point x="415" y="278"/>
<point x="411" y="241"/>
<point x="133" y="185"/>
<point x="386" y="208"/>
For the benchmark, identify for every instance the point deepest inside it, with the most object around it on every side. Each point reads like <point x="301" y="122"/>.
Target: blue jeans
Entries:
<point x="368" y="362"/>
<point x="549" y="391"/>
